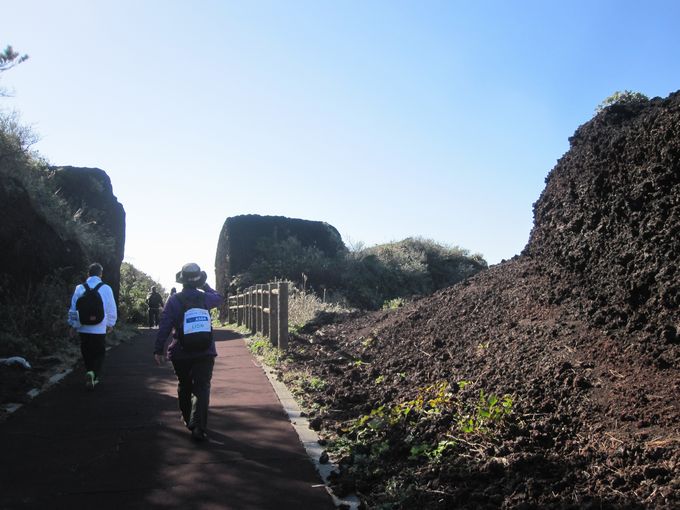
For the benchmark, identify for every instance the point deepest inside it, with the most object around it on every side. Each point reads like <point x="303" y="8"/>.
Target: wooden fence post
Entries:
<point x="244" y="298"/>
<point x="239" y="309"/>
<point x="274" y="314"/>
<point x="245" y="309"/>
<point x="258" y="308"/>
<point x="283" y="315"/>
<point x="253" y="310"/>
<point x="265" y="310"/>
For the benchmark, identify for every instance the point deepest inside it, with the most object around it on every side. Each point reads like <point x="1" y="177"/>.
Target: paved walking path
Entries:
<point x="124" y="447"/>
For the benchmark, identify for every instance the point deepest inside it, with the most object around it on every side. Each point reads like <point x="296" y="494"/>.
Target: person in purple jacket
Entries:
<point x="193" y="364"/>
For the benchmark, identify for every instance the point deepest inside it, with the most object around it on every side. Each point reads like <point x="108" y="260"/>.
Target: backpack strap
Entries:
<point x="187" y="302"/>
<point x="182" y="302"/>
<point x="96" y="287"/>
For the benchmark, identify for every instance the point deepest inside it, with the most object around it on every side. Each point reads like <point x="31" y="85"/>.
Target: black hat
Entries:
<point x="191" y="275"/>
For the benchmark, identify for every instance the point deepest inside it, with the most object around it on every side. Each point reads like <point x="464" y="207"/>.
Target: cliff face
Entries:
<point x="240" y="236"/>
<point x="89" y="193"/>
<point x="31" y="248"/>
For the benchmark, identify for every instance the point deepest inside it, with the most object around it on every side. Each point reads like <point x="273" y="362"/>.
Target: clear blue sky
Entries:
<point x="386" y="119"/>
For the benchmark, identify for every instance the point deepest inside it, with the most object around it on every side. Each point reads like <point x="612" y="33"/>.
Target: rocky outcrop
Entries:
<point x="240" y="237"/>
<point x="610" y="216"/>
<point x="580" y="332"/>
<point x="89" y="194"/>
<point x="32" y="248"/>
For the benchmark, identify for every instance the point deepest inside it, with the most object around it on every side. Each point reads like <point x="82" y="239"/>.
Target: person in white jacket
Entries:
<point x="91" y="330"/>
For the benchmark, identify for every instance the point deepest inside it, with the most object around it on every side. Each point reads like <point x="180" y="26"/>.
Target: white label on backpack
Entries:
<point x="196" y="320"/>
<point x="74" y="318"/>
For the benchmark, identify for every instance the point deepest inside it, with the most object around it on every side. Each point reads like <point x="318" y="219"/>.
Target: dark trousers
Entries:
<point x="154" y="317"/>
<point x="93" y="349"/>
<point x="193" y="389"/>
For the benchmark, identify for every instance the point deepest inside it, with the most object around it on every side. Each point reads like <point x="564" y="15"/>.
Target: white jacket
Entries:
<point x="110" y="311"/>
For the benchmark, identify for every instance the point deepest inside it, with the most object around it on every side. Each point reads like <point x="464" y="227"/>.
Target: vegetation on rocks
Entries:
<point x="365" y="278"/>
<point x="47" y="244"/>
<point x="33" y="302"/>
<point x="135" y="286"/>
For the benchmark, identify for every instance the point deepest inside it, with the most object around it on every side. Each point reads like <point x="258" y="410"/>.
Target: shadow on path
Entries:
<point x="123" y="445"/>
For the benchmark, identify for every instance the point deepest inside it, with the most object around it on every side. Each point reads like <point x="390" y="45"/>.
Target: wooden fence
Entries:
<point x="263" y="309"/>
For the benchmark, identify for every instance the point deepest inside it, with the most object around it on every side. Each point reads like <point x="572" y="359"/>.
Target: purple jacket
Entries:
<point x="172" y="317"/>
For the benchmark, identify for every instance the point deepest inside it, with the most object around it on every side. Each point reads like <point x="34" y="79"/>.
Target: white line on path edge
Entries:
<point x="308" y="437"/>
<point x="15" y="406"/>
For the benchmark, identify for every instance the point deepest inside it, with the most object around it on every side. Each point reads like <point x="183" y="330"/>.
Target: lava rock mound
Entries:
<point x="579" y="332"/>
<point x="610" y="215"/>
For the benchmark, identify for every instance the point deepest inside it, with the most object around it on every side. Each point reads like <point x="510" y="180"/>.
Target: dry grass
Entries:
<point x="305" y="306"/>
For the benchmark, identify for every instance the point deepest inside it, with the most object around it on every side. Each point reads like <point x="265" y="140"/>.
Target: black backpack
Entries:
<point x="195" y="328"/>
<point x="155" y="300"/>
<point x="90" y="306"/>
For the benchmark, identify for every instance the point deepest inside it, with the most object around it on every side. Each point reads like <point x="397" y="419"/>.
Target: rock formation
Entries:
<point x="89" y="193"/>
<point x="240" y="235"/>
<point x="32" y="248"/>
<point x="580" y="331"/>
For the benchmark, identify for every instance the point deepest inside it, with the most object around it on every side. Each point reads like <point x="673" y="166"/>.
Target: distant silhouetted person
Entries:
<point x="192" y="348"/>
<point x="92" y="314"/>
<point x="155" y="302"/>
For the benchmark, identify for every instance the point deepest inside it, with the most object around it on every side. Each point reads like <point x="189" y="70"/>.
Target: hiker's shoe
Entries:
<point x="198" y="434"/>
<point x="90" y="380"/>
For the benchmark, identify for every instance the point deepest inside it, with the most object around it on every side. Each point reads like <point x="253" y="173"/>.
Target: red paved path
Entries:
<point x="123" y="446"/>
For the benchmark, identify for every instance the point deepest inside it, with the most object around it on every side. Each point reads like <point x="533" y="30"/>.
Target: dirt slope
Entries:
<point x="580" y="332"/>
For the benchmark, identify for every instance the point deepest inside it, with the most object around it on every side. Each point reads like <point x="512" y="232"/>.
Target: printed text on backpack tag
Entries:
<point x="196" y="320"/>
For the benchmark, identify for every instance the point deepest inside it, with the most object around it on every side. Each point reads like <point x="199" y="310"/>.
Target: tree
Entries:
<point x="8" y="59"/>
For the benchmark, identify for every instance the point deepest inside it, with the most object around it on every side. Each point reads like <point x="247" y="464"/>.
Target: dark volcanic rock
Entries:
<point x="238" y="242"/>
<point x="610" y="216"/>
<point x="31" y="247"/>
<point x="89" y="191"/>
<point x="581" y="331"/>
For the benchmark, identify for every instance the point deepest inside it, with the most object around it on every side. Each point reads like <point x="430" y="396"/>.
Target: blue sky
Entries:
<point x="386" y="119"/>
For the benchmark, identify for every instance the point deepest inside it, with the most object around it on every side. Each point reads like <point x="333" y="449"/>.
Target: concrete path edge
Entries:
<point x="309" y="439"/>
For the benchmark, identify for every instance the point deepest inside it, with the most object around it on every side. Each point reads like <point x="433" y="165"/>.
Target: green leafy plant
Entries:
<point x="316" y="383"/>
<point x="393" y="304"/>
<point x="622" y="97"/>
<point x="264" y="350"/>
<point x="490" y="409"/>
<point x="368" y="342"/>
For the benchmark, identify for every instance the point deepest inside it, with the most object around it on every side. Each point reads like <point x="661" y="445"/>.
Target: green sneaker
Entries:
<point x="90" y="380"/>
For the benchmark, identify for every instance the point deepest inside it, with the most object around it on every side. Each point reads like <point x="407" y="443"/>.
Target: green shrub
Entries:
<point x="625" y="97"/>
<point x="365" y="278"/>
<point x="34" y="320"/>
<point x="134" y="288"/>
<point x="412" y="267"/>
